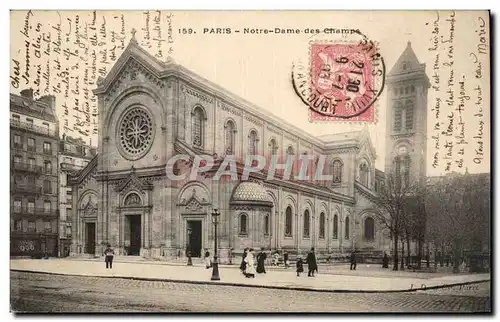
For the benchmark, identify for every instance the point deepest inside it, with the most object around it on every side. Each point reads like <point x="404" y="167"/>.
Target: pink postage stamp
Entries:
<point x="346" y="80"/>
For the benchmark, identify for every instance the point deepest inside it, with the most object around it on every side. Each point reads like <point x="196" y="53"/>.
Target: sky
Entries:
<point x="257" y="66"/>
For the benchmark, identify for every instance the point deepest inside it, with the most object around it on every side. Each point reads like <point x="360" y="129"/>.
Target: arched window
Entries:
<point x="273" y="147"/>
<point x="288" y="221"/>
<point x="289" y="151"/>
<point x="307" y="222"/>
<point x="266" y="225"/>
<point x="369" y="228"/>
<point x="198" y="125"/>
<point x="337" y="171"/>
<point x="243" y="224"/>
<point x="363" y="174"/>
<point x="230" y="129"/>
<point x="347" y="228"/>
<point x="402" y="167"/>
<point x="322" y="225"/>
<point x="335" y="227"/>
<point x="252" y="143"/>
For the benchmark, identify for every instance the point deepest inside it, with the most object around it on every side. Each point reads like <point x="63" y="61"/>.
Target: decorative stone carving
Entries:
<point x="223" y="106"/>
<point x="194" y="205"/>
<point x="133" y="199"/>
<point x="253" y="120"/>
<point x="196" y="94"/>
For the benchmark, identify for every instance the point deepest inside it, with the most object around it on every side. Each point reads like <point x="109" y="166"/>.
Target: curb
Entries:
<point x="291" y="288"/>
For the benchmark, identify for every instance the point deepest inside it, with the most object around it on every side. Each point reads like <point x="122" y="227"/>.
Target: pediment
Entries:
<point x="134" y="182"/>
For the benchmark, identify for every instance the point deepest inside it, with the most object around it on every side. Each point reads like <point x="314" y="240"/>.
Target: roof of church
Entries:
<point x="251" y="192"/>
<point x="162" y="69"/>
<point x="407" y="62"/>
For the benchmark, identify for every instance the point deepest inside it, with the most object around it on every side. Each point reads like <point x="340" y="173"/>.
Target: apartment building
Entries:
<point x="34" y="135"/>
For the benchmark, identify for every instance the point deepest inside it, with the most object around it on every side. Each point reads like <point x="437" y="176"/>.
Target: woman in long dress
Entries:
<point x="250" y="264"/>
<point x="243" y="263"/>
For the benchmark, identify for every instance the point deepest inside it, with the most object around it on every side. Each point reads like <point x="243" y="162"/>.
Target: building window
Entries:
<point x="347" y="228"/>
<point x="47" y="148"/>
<point x="67" y="147"/>
<point x="337" y="171"/>
<point x="17" y="205"/>
<point x="18" y="159"/>
<point x="243" y="224"/>
<point x="47" y="226"/>
<point x="18" y="225"/>
<point x="307" y="223"/>
<point x="363" y="174"/>
<point x="68" y="231"/>
<point x="398" y="111"/>
<point x="266" y="225"/>
<point x="335" y="227"/>
<point x="409" y="115"/>
<point x="31" y="226"/>
<point x="29" y="121"/>
<point x="369" y="228"/>
<point x="288" y="221"/>
<point x="16" y="118"/>
<point x="47" y="186"/>
<point x="48" y="167"/>
<point x="322" y="225"/>
<point x="406" y="170"/>
<point x="273" y="147"/>
<point x="230" y="129"/>
<point x="31" y="206"/>
<point x="31" y="164"/>
<point x="18" y="180"/>
<point x="47" y="206"/>
<point x="31" y="181"/>
<point x="252" y="143"/>
<point x="17" y="142"/>
<point x="31" y="144"/>
<point x="198" y="120"/>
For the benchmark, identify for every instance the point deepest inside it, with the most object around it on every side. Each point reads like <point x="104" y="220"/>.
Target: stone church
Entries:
<point x="151" y="110"/>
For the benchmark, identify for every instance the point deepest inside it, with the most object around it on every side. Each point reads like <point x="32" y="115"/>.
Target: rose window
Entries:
<point x="136" y="132"/>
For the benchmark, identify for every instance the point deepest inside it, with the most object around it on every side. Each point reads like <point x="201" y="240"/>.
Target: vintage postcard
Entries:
<point x="250" y="161"/>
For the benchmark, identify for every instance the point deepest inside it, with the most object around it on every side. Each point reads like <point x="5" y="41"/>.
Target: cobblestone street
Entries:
<point x="32" y="292"/>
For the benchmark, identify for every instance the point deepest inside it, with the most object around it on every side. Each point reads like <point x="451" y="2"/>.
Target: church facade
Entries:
<point x="151" y="111"/>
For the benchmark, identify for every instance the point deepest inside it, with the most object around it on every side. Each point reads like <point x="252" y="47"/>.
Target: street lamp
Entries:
<point x="190" y="261"/>
<point x="215" y="270"/>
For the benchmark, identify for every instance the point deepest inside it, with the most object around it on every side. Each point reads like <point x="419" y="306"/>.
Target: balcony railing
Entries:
<point x="27" y="188"/>
<point x="28" y="167"/>
<point x="34" y="211"/>
<point x="32" y="128"/>
<point x="70" y="167"/>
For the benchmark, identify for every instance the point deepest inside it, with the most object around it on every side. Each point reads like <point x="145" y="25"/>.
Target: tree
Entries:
<point x="458" y="206"/>
<point x="392" y="202"/>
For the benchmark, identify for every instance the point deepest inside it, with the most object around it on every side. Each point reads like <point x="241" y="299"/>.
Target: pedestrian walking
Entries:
<point x="385" y="261"/>
<point x="312" y="266"/>
<point x="285" y="259"/>
<point x="250" y="264"/>
<point x="208" y="262"/>
<point x="261" y="260"/>
<point x="230" y="255"/>
<point x="300" y="265"/>
<point x="353" y="261"/>
<point x="243" y="263"/>
<point x="276" y="259"/>
<point x="109" y="254"/>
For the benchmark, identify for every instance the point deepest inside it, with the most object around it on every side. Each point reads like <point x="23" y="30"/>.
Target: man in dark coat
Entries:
<point x="312" y="266"/>
<point x="385" y="261"/>
<point x="261" y="258"/>
<point x="243" y="264"/>
<point x="285" y="259"/>
<point x="353" y="260"/>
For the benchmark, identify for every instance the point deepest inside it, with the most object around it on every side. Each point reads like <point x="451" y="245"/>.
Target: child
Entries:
<point x="300" y="266"/>
<point x="208" y="261"/>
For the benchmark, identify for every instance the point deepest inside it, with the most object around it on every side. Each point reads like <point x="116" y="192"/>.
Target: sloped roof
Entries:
<point x="407" y="62"/>
<point x="35" y="108"/>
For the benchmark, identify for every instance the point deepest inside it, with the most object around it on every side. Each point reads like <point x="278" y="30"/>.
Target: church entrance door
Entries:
<point x="195" y="237"/>
<point x="135" y="235"/>
<point x="90" y="238"/>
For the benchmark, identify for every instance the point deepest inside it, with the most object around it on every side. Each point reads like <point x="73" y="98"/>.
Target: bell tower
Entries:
<point x="406" y="120"/>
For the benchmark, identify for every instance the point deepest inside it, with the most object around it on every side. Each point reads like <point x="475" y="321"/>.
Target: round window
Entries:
<point x="136" y="133"/>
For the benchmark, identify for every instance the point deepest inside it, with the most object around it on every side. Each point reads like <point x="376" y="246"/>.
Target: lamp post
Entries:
<point x="215" y="270"/>
<point x="190" y="261"/>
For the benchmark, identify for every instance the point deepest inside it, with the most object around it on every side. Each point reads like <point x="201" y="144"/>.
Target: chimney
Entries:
<point x="28" y="93"/>
<point x="50" y="100"/>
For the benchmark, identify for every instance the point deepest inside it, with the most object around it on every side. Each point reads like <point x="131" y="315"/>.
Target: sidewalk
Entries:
<point x="275" y="278"/>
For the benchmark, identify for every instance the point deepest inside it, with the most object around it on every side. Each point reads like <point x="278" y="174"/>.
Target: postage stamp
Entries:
<point x="342" y="81"/>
